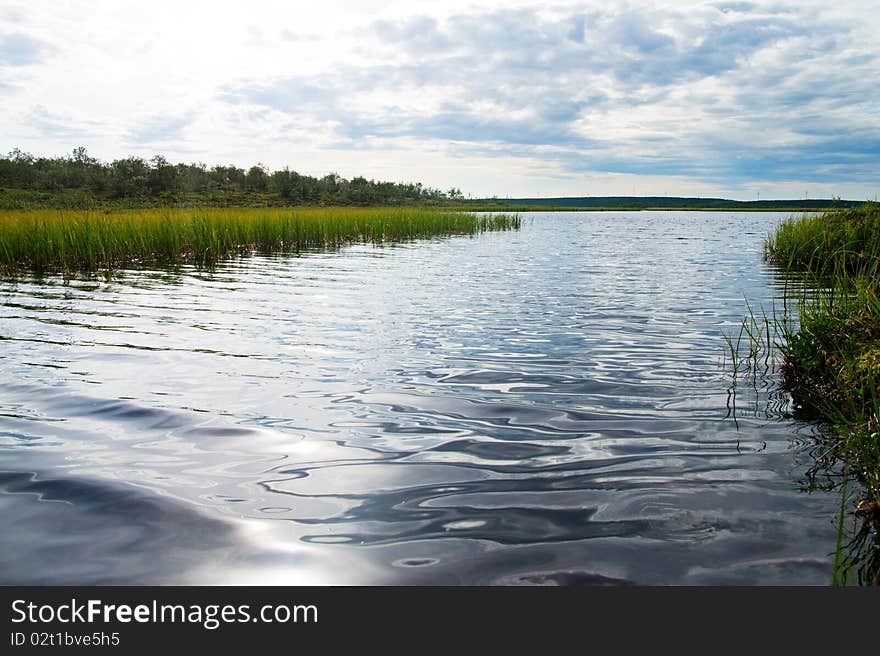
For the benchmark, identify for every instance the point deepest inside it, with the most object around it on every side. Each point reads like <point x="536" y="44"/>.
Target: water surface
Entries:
<point x="548" y="406"/>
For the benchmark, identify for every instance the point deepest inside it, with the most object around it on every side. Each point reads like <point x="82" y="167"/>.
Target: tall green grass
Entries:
<point x="830" y="358"/>
<point x="89" y="241"/>
<point x="840" y="242"/>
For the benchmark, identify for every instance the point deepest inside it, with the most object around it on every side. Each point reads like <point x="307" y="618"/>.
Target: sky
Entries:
<point x="746" y="100"/>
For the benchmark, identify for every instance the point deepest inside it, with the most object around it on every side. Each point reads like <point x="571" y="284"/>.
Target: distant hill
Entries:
<point x="674" y="202"/>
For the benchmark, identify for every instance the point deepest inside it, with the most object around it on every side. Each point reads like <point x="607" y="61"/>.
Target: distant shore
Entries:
<point x="79" y="198"/>
<point x="476" y="207"/>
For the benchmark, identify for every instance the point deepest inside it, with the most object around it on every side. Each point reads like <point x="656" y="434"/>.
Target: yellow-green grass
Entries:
<point x="839" y="241"/>
<point x="87" y="241"/>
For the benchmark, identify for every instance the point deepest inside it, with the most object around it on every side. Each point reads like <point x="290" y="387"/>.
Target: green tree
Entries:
<point x="257" y="178"/>
<point x="128" y="177"/>
<point x="162" y="177"/>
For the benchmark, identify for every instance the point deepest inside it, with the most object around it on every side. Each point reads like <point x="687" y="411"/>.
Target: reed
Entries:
<point x="91" y="241"/>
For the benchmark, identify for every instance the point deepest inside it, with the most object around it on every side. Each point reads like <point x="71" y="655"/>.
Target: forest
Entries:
<point x="82" y="181"/>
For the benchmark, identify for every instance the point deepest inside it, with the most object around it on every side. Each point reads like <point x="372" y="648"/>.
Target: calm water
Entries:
<point x="545" y="406"/>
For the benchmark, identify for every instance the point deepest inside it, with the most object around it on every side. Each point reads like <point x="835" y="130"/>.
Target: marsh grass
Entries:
<point x="831" y="368"/>
<point x="845" y="241"/>
<point x="828" y="356"/>
<point x="91" y="241"/>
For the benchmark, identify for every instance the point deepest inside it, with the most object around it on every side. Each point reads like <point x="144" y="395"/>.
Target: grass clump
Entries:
<point x="840" y="242"/>
<point x="91" y="241"/>
<point x="832" y="360"/>
<point x="831" y="355"/>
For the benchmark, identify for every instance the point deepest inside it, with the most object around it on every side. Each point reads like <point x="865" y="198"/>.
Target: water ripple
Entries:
<point x="542" y="407"/>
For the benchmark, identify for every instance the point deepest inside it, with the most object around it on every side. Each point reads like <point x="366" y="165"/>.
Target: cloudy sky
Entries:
<point x="736" y="99"/>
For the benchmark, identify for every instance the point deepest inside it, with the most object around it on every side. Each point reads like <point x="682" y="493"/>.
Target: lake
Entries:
<point x="545" y="406"/>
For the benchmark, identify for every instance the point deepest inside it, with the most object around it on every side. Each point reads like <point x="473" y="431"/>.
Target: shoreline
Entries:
<point x="831" y="361"/>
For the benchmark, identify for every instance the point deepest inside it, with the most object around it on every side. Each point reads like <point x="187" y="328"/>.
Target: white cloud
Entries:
<point x="716" y="97"/>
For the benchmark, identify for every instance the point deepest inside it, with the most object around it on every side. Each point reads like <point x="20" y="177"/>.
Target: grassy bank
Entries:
<point x="831" y="355"/>
<point x="89" y="241"/>
<point x="841" y="243"/>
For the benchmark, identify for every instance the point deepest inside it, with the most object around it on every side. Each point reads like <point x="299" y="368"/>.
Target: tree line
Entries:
<point x="135" y="180"/>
